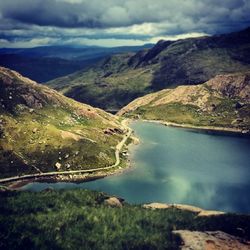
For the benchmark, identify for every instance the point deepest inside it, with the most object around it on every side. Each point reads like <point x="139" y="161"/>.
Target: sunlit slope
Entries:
<point x="42" y="130"/>
<point x="223" y="101"/>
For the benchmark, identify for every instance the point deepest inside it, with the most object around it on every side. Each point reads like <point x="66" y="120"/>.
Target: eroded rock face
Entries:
<point x="216" y="240"/>
<point x="16" y="89"/>
<point x="232" y="85"/>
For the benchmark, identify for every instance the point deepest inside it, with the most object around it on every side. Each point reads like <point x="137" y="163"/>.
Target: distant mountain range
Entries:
<point x="117" y="80"/>
<point x="46" y="63"/>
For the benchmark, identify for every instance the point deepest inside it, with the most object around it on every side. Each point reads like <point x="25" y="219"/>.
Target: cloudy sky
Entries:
<point x="29" y="23"/>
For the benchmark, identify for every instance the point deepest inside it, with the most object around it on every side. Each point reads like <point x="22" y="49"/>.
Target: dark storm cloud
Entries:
<point x="116" y="13"/>
<point x="117" y="18"/>
<point x="48" y="13"/>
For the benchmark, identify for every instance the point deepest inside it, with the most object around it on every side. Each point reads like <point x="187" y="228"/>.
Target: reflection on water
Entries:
<point x="179" y="166"/>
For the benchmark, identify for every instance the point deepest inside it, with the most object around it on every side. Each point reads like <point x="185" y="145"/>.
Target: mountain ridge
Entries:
<point x="49" y="62"/>
<point x="115" y="82"/>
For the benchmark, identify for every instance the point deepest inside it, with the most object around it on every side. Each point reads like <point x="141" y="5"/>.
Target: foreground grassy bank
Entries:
<point x="81" y="219"/>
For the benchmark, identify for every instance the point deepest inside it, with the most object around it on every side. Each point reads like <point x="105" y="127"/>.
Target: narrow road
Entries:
<point x="118" y="149"/>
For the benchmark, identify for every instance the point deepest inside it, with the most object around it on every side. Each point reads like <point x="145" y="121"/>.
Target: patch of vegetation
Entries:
<point x="173" y="112"/>
<point x="223" y="114"/>
<point x="80" y="219"/>
<point x="42" y="138"/>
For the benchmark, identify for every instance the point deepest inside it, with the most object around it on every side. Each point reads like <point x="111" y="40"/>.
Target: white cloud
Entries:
<point x="177" y="37"/>
<point x="35" y="42"/>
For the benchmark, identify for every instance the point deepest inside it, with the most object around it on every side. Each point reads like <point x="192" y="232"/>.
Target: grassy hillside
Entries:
<point x="42" y="130"/>
<point x="81" y="219"/>
<point x="118" y="80"/>
<point x="223" y="101"/>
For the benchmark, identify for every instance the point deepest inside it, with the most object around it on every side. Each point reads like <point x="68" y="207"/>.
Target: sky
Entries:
<point x="110" y="23"/>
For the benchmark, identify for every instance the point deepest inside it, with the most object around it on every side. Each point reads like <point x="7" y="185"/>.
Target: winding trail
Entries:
<point x="118" y="149"/>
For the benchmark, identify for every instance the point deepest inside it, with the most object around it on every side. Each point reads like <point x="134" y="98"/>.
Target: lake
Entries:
<point x="175" y="165"/>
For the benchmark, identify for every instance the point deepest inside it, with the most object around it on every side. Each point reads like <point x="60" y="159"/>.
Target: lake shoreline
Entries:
<point x="223" y="130"/>
<point x="78" y="178"/>
<point x="84" y="177"/>
<point x="17" y="185"/>
<point x="81" y="178"/>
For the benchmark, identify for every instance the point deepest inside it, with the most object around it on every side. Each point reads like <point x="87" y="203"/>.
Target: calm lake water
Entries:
<point x="174" y="165"/>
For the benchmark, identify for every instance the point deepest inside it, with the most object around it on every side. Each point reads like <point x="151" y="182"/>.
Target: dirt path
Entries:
<point x="118" y="149"/>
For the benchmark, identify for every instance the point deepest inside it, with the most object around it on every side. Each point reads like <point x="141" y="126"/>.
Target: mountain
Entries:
<point x="49" y="62"/>
<point x="116" y="81"/>
<point x="223" y="101"/>
<point x="42" y="130"/>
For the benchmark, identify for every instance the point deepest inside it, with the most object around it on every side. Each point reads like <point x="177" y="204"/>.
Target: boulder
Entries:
<point x="34" y="130"/>
<point x="238" y="105"/>
<point x="113" y="202"/>
<point x="156" y="205"/>
<point x="58" y="165"/>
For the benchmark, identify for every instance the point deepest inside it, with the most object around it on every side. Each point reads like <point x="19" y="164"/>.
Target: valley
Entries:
<point x="167" y="125"/>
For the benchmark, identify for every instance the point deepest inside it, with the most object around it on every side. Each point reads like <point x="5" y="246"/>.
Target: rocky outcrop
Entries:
<point x="216" y="240"/>
<point x="18" y="92"/>
<point x="199" y="211"/>
<point x="113" y="202"/>
<point x="232" y="85"/>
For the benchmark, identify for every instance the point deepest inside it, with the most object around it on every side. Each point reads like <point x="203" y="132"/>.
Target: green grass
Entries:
<point x="40" y="127"/>
<point x="222" y="116"/>
<point x="79" y="219"/>
<point x="36" y="139"/>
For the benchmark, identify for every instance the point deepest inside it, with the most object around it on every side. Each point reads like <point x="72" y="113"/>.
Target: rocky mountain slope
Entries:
<point x="42" y="130"/>
<point x="223" y="101"/>
<point x="116" y="81"/>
